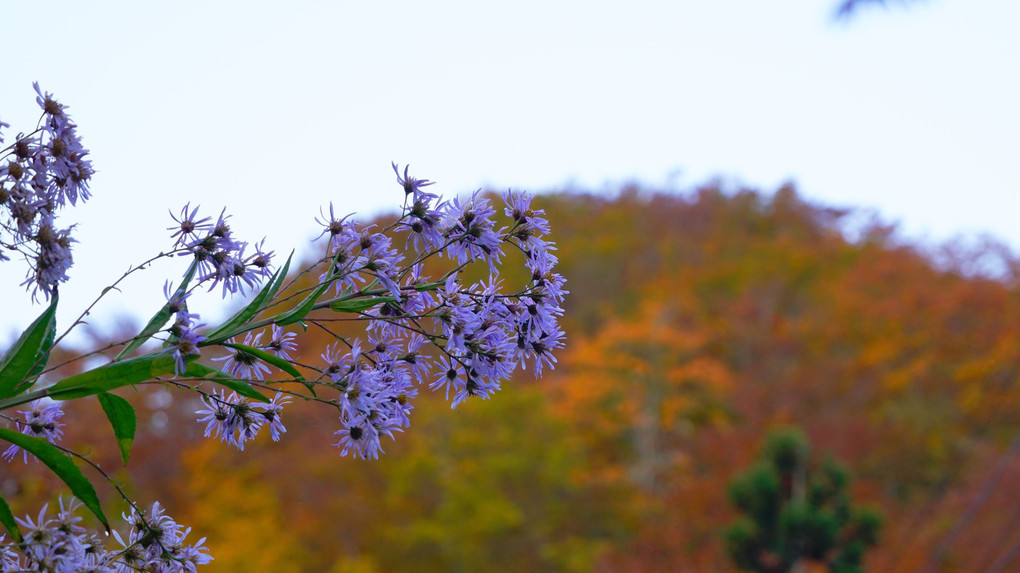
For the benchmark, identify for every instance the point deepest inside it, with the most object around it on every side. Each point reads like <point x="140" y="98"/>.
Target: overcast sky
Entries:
<point x="275" y="109"/>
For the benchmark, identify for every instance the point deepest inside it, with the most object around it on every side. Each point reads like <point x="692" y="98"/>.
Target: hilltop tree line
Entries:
<point x="697" y="323"/>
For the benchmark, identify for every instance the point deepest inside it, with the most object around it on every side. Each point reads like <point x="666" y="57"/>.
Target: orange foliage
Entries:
<point x="695" y="323"/>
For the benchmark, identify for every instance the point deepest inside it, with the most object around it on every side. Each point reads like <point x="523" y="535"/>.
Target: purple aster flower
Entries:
<point x="177" y="301"/>
<point x="456" y="316"/>
<point x="341" y="231"/>
<point x="184" y="341"/>
<point x="259" y="263"/>
<point x="156" y="543"/>
<point x="232" y="419"/>
<point x="539" y="315"/>
<point x="188" y="226"/>
<point x="528" y="222"/>
<point x="359" y="438"/>
<point x="540" y="350"/>
<point x="449" y="375"/>
<point x="57" y="544"/>
<point x="52" y="258"/>
<point x="244" y="364"/>
<point x="49" y="105"/>
<point x="216" y="415"/>
<point x="222" y="261"/>
<point x="416" y="302"/>
<point x="474" y="386"/>
<point x="8" y="558"/>
<point x="222" y="234"/>
<point x="383" y="345"/>
<point x="420" y="365"/>
<point x="413" y="186"/>
<point x="69" y="171"/>
<point x="424" y="226"/>
<point x="281" y="343"/>
<point x="399" y="394"/>
<point x="340" y="363"/>
<point x="42" y="421"/>
<point x="359" y="392"/>
<point x="271" y="412"/>
<point x="382" y="260"/>
<point x="471" y="231"/>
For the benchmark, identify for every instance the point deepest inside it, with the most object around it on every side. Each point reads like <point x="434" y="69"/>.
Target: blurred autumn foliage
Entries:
<point x="696" y="324"/>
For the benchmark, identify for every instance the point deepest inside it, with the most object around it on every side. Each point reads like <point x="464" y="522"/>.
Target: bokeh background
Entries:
<point x="769" y="216"/>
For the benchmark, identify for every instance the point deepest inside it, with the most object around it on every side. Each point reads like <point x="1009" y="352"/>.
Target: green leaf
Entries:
<point x="267" y="357"/>
<point x="7" y="520"/>
<point x="140" y="369"/>
<point x="300" y="311"/>
<point x="61" y="465"/>
<point x="257" y="304"/>
<point x="160" y="319"/>
<point x="114" y="375"/>
<point x="123" y="419"/>
<point x="222" y="378"/>
<point x="241" y="387"/>
<point x="29" y="354"/>
<point x="359" y="304"/>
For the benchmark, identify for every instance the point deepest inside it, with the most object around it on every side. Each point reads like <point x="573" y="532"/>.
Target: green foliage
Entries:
<point x="238" y="323"/>
<point x="795" y="511"/>
<point x="7" y="520"/>
<point x="492" y="488"/>
<point x="61" y="465"/>
<point x="29" y="354"/>
<point x="695" y="322"/>
<point x="159" y="319"/>
<point x="123" y="420"/>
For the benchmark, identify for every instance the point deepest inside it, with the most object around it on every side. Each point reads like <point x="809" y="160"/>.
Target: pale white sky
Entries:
<point x="274" y="109"/>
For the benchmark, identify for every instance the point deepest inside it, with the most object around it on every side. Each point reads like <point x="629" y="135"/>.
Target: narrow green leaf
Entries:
<point x="123" y="419"/>
<point x="257" y="304"/>
<point x="241" y="387"/>
<point x="155" y="324"/>
<point x="300" y="311"/>
<point x="126" y="372"/>
<point x="267" y="357"/>
<point x="160" y="319"/>
<point x="359" y="304"/>
<point x="140" y="369"/>
<point x="222" y="378"/>
<point x="61" y="465"/>
<point x="29" y="354"/>
<point x="7" y="520"/>
<point x="113" y="375"/>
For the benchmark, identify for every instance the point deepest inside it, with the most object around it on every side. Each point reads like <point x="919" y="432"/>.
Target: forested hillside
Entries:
<point x="696" y="323"/>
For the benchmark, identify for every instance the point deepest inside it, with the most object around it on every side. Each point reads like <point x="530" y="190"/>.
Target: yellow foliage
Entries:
<point x="239" y="513"/>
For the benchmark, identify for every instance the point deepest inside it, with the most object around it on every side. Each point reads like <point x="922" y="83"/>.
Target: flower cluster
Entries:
<point x="221" y="258"/>
<point x="154" y="543"/>
<point x="40" y="172"/>
<point x="375" y="388"/>
<point x="450" y="333"/>
<point x="184" y="336"/>
<point x="483" y="333"/>
<point x="235" y="420"/>
<point x="42" y="421"/>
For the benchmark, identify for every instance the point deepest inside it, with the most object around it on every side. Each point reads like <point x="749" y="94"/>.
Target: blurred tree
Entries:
<point x="238" y="511"/>
<point x="640" y="389"/>
<point x="796" y="512"/>
<point x="696" y="322"/>
<point x="494" y="487"/>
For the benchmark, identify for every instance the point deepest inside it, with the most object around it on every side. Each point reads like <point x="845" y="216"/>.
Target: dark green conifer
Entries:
<point x="793" y="510"/>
